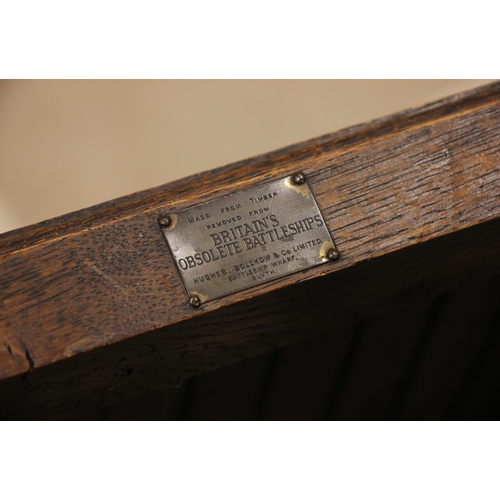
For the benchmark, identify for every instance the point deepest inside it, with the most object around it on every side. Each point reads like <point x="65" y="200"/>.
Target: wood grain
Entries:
<point x="93" y="309"/>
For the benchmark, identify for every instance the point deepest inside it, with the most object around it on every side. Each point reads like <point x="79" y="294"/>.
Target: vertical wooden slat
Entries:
<point x="384" y="352"/>
<point x="303" y="375"/>
<point x="451" y="350"/>
<point x="479" y="397"/>
<point x="343" y="371"/>
<point x="230" y="393"/>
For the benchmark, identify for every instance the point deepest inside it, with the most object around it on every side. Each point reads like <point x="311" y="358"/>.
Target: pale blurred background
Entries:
<point x="69" y="144"/>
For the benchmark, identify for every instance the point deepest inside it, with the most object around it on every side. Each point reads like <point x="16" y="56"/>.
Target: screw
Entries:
<point x="299" y="178"/>
<point x="332" y="254"/>
<point x="195" y="301"/>
<point x="164" y="220"/>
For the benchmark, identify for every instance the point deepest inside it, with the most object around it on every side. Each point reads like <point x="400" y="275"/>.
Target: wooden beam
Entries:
<point x="93" y="308"/>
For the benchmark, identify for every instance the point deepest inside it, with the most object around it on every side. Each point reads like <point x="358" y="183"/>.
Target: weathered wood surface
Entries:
<point x="93" y="309"/>
<point x="432" y="358"/>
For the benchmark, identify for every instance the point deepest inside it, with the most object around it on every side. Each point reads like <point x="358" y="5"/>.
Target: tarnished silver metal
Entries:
<point x="248" y="238"/>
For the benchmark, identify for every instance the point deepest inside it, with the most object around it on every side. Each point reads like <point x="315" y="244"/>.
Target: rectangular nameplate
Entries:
<point x="248" y="238"/>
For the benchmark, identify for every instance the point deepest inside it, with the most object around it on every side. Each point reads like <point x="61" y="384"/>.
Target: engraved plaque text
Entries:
<point x="248" y="238"/>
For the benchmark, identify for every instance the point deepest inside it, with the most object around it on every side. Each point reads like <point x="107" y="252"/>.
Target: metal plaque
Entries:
<point x="248" y="238"/>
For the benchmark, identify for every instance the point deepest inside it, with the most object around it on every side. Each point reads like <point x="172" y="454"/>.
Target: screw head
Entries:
<point x="332" y="254"/>
<point x="195" y="301"/>
<point x="299" y="178"/>
<point x="164" y="220"/>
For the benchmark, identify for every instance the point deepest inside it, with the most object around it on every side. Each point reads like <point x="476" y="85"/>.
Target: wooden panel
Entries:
<point x="89" y="296"/>
<point x="166" y="404"/>
<point x="231" y="393"/>
<point x="456" y="340"/>
<point x="303" y="374"/>
<point x="383" y="353"/>
<point x="371" y="371"/>
<point x="479" y="394"/>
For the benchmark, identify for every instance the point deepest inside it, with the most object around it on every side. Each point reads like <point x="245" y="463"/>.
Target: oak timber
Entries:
<point x="93" y="309"/>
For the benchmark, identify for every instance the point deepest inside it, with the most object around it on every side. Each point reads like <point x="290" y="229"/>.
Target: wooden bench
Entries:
<point x="404" y="324"/>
